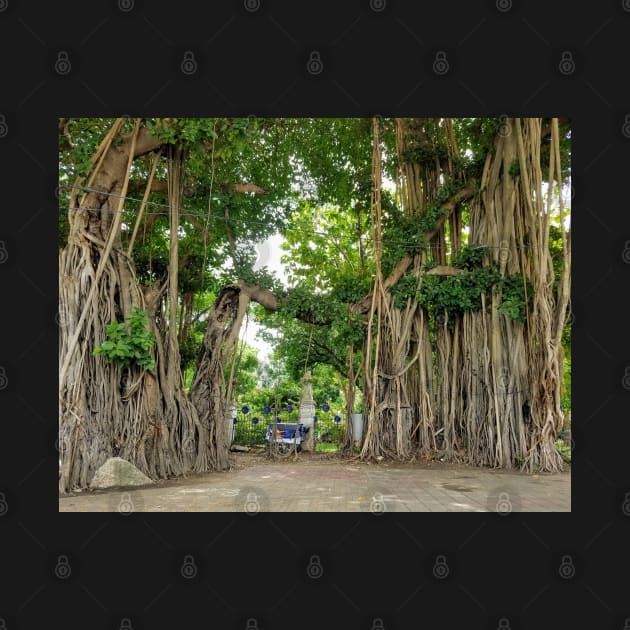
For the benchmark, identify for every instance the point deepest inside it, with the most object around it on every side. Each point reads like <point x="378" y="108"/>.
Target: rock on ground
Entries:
<point x="117" y="471"/>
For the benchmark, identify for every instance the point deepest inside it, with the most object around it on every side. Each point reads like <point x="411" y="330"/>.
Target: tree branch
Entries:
<point x="401" y="267"/>
<point x="444" y="270"/>
<point x="270" y="302"/>
<point x="160" y="185"/>
<point x="262" y="296"/>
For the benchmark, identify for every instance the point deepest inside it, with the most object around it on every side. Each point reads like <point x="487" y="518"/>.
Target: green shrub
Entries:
<point x="130" y="342"/>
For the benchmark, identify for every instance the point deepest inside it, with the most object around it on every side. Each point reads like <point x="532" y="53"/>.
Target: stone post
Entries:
<point x="307" y="411"/>
<point x="231" y="414"/>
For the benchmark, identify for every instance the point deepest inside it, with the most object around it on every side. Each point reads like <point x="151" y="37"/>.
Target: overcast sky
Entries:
<point x="269" y="253"/>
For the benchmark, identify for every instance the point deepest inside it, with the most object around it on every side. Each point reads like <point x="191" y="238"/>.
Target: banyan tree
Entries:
<point x="452" y="326"/>
<point x="466" y="356"/>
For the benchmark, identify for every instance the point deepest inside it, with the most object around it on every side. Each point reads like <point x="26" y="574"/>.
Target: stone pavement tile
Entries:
<point x="340" y="486"/>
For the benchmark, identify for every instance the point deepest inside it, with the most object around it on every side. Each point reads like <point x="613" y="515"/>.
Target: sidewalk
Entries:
<point x="332" y="485"/>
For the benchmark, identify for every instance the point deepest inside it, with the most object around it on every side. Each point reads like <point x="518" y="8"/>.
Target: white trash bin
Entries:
<point x="357" y="426"/>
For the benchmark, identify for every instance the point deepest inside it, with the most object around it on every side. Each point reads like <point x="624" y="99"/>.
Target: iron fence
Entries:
<point x="250" y="425"/>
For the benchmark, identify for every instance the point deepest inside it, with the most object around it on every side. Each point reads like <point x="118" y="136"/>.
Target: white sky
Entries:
<point x="269" y="253"/>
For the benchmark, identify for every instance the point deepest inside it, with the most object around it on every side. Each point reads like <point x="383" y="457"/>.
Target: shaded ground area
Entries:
<point x="325" y="483"/>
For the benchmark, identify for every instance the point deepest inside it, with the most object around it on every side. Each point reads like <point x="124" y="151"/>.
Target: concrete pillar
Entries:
<point x="231" y="414"/>
<point x="357" y="428"/>
<point x="307" y="411"/>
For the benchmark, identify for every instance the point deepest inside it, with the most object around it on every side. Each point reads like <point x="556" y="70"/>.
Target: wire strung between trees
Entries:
<point x="187" y="213"/>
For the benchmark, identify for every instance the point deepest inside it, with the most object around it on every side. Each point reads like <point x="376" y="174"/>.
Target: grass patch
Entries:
<point x="565" y="449"/>
<point x="324" y="447"/>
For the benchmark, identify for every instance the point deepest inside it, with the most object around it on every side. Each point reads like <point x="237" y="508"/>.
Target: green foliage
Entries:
<point x="405" y="288"/>
<point x="406" y="234"/>
<point x="318" y="308"/>
<point x="564" y="448"/>
<point x="476" y="137"/>
<point x="246" y="371"/>
<point x="248" y="434"/>
<point x="425" y="154"/>
<point x="470" y="257"/>
<point x="351" y="331"/>
<point x="327" y="429"/>
<point x="128" y="343"/>
<point x="350" y="288"/>
<point x="326" y="447"/>
<point x="462" y="292"/>
<point x="515" y="296"/>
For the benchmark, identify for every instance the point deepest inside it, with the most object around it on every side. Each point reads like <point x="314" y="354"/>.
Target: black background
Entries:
<point x="504" y="569"/>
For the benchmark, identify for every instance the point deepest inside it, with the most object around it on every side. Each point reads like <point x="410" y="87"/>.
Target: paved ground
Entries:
<point x="324" y="484"/>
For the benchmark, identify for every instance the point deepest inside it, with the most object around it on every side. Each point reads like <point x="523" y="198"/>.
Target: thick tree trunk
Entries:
<point x="209" y="391"/>
<point x="106" y="410"/>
